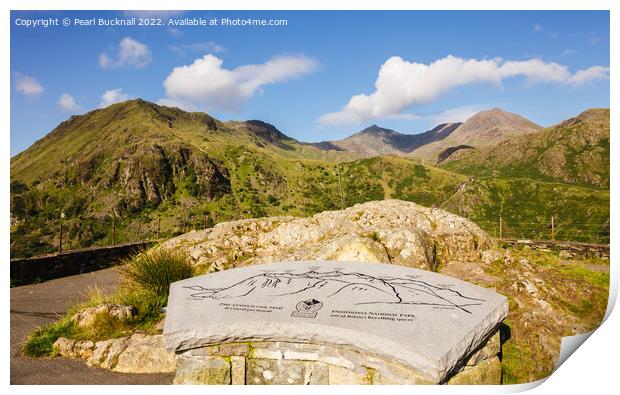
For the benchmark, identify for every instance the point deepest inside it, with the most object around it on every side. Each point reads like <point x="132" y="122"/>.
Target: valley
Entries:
<point x="136" y="170"/>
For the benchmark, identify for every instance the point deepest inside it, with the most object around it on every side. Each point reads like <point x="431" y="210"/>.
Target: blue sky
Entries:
<point x="323" y="76"/>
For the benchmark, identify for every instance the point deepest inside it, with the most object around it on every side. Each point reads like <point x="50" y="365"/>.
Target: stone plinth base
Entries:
<point x="303" y="363"/>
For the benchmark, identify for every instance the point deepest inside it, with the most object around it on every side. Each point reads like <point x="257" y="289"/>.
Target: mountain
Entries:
<point x="375" y="140"/>
<point x="575" y="151"/>
<point x="143" y="170"/>
<point x="484" y="129"/>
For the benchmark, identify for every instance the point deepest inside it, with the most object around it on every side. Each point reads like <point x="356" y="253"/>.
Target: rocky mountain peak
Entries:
<point x="498" y="117"/>
<point x="376" y="130"/>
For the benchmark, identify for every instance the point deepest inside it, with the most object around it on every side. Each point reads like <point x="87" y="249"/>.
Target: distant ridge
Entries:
<point x="375" y="140"/>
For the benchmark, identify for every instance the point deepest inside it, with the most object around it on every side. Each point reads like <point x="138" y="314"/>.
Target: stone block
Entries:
<point x="316" y="373"/>
<point x="237" y="370"/>
<point x="202" y="370"/>
<point x="369" y="307"/>
<point x="340" y="375"/>
<point x="145" y="354"/>
<point x="237" y="349"/>
<point x="489" y="350"/>
<point x="270" y="371"/>
<point x="489" y="371"/>
<point x="266" y="353"/>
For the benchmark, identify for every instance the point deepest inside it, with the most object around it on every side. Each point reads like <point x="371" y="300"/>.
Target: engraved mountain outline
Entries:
<point x="364" y="288"/>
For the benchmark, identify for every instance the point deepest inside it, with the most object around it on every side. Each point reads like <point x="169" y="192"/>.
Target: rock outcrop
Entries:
<point x="137" y="353"/>
<point x="390" y="231"/>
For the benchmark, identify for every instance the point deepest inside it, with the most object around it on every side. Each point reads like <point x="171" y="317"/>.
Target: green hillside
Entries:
<point x="575" y="151"/>
<point x="134" y="170"/>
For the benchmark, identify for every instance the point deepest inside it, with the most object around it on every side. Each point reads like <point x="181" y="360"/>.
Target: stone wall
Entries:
<point x="303" y="363"/>
<point x="43" y="268"/>
<point x="566" y="249"/>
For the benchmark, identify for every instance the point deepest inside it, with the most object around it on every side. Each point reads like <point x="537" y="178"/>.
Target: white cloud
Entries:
<point x="130" y="53"/>
<point x="534" y="70"/>
<point x="401" y="84"/>
<point x="206" y="83"/>
<point x="537" y="28"/>
<point x="568" y="52"/>
<point x="27" y="85"/>
<point x="113" y="96"/>
<point x="204" y="47"/>
<point x="66" y="102"/>
<point x="594" y="73"/>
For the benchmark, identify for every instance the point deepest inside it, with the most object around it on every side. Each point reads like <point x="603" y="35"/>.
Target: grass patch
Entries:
<point x="577" y="271"/>
<point x="373" y="236"/>
<point x="517" y="362"/>
<point x="40" y="341"/>
<point x="146" y="283"/>
<point x="155" y="270"/>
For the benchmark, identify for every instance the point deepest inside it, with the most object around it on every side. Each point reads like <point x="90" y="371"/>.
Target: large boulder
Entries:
<point x="391" y="231"/>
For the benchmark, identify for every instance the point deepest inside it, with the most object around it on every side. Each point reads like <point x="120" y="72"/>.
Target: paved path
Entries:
<point x="38" y="304"/>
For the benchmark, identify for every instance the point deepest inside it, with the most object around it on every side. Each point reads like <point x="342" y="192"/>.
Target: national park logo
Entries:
<point x="307" y="308"/>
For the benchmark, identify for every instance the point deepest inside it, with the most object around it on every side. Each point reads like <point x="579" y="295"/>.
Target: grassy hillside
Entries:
<point x="575" y="151"/>
<point x="143" y="170"/>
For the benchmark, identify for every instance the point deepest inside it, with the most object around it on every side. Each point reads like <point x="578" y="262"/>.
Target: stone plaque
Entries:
<point x="423" y="319"/>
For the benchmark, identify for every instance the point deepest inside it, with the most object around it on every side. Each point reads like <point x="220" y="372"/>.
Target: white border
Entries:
<point x="592" y="369"/>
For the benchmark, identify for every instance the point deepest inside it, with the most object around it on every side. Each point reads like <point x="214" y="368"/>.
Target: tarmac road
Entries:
<point x="38" y="304"/>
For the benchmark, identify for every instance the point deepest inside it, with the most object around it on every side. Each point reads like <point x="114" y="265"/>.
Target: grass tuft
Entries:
<point x="155" y="270"/>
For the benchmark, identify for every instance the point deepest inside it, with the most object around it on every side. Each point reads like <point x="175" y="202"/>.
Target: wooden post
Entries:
<point x="206" y="221"/>
<point x="60" y="238"/>
<point x="552" y="229"/>
<point x="113" y="231"/>
<point x="500" y="227"/>
<point x="158" y="226"/>
<point x="340" y="187"/>
<point x="62" y="217"/>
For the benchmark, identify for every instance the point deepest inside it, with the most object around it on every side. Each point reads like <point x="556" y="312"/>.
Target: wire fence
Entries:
<point x="82" y="232"/>
<point x="594" y="230"/>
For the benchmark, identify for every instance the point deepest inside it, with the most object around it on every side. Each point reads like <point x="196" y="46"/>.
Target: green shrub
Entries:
<point x="156" y="269"/>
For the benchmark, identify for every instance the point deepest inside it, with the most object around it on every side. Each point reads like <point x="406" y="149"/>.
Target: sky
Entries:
<point x="322" y="76"/>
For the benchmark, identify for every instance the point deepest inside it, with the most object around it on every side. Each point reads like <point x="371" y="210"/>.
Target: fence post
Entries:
<point x="500" y="227"/>
<point x="113" y="230"/>
<point x="552" y="229"/>
<point x="340" y="187"/>
<point x="158" y="226"/>
<point x="60" y="238"/>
